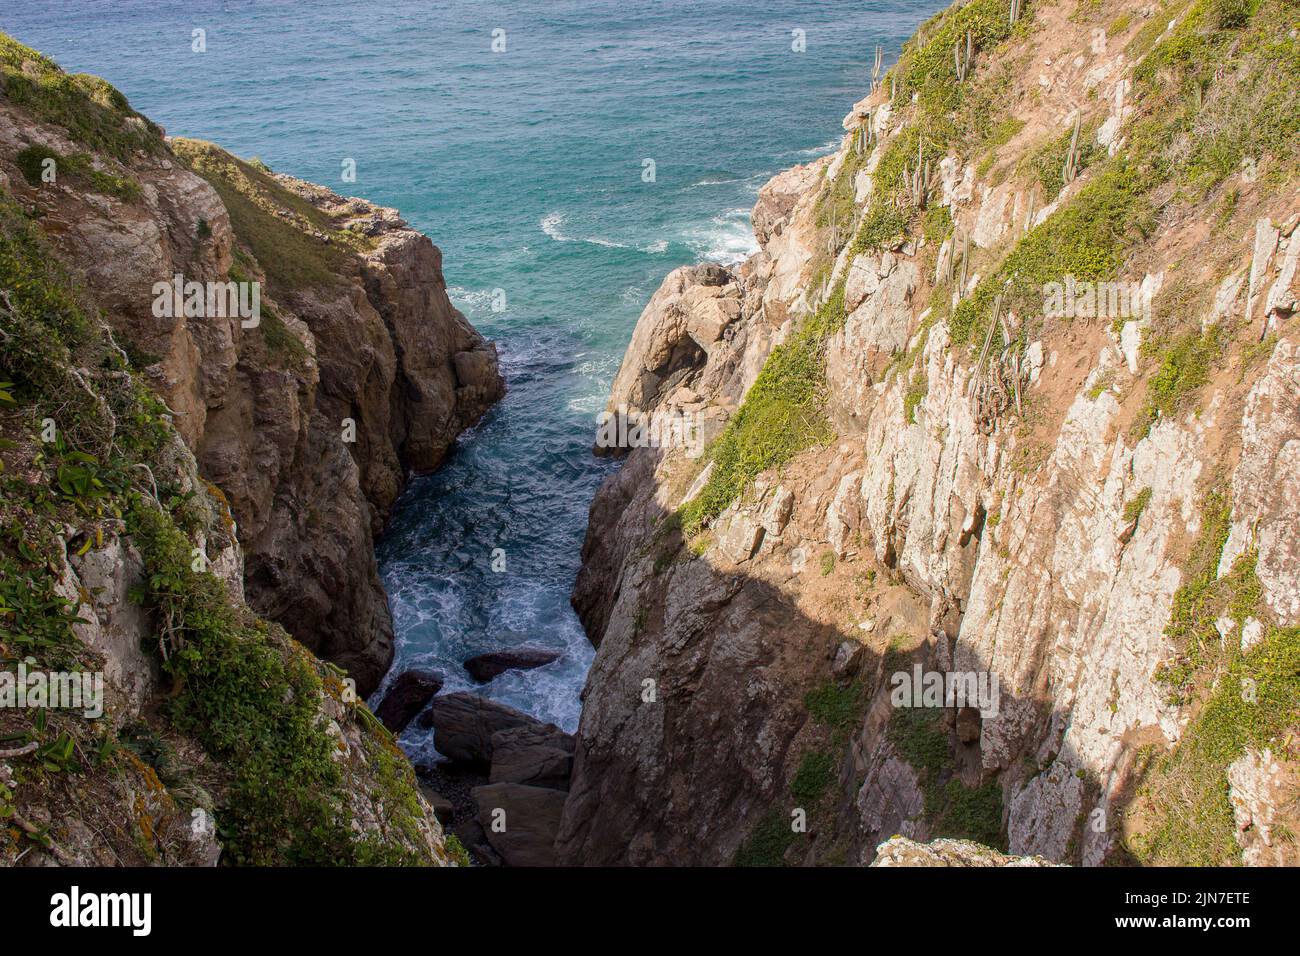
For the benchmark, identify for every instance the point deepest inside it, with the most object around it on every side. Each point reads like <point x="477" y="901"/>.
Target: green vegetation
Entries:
<point x="936" y="224"/>
<point x="1138" y="504"/>
<point x="882" y="225"/>
<point x="251" y="702"/>
<point x="281" y="343"/>
<point x="915" y="735"/>
<point x="457" y="850"/>
<point x="834" y="707"/>
<point x="1203" y="598"/>
<point x="1252" y="705"/>
<point x="926" y="66"/>
<point x="241" y="687"/>
<point x="91" y="110"/>
<point x="77" y="167"/>
<point x="1184" y="367"/>
<point x="781" y="415"/>
<point x="1248" y="700"/>
<point x="279" y="340"/>
<point x="1087" y="239"/>
<point x="1003" y="131"/>
<point x="951" y="807"/>
<point x="768" y="844"/>
<point x="1119" y="25"/>
<point x="835" y="206"/>
<point x="815" y="774"/>
<point x="285" y="232"/>
<point x="916" y="393"/>
<point x="1228" y="76"/>
<point x="1048" y="162"/>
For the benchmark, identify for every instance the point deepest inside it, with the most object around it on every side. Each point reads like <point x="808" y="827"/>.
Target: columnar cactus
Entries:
<point x="961" y="62"/>
<point x="1070" y="170"/>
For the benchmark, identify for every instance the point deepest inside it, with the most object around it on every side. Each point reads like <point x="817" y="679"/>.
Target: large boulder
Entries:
<point x="520" y="822"/>
<point x="463" y="725"/>
<point x="538" y="755"/>
<point x="900" y="851"/>
<point x="407" y="697"/>
<point x="484" y="667"/>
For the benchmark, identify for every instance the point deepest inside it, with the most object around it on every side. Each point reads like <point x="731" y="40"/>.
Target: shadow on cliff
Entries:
<point x="723" y="724"/>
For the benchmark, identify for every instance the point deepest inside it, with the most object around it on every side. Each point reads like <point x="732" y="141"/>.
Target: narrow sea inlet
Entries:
<point x="528" y="168"/>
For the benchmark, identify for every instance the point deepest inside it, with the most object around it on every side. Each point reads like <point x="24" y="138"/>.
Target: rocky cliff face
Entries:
<point x="306" y="356"/>
<point x="926" y="458"/>
<point x="359" y="369"/>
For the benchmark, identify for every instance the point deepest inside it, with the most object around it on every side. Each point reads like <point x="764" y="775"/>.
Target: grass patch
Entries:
<point x="882" y="226"/>
<point x="33" y="160"/>
<point x="1184" y="367"/>
<point x="1048" y="161"/>
<point x="767" y="844"/>
<point x="1253" y="705"/>
<point x="1248" y="700"/>
<point x="781" y="416"/>
<point x="952" y="808"/>
<point x="285" y="233"/>
<point x="815" y="774"/>
<point x="834" y="706"/>
<point x="915" y="735"/>
<point x="916" y="393"/>
<point x="91" y="111"/>
<point x="1133" y="510"/>
<point x="1087" y="239"/>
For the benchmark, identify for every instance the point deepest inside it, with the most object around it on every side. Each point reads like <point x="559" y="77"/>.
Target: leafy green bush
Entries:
<point x="1184" y="367"/>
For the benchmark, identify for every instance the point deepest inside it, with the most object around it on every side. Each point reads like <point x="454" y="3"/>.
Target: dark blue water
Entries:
<point x="526" y="167"/>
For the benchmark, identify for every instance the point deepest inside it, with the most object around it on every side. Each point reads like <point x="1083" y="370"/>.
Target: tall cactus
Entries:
<point x="965" y="261"/>
<point x="864" y="137"/>
<point x="916" y="181"/>
<point x="1014" y="12"/>
<point x="877" y="67"/>
<point x="1070" y="170"/>
<point x="961" y="62"/>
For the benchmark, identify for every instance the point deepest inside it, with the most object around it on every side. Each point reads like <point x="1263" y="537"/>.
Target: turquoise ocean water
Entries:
<point x="525" y="166"/>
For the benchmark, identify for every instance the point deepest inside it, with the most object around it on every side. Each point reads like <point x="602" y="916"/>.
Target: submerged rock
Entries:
<point x="484" y="667"/>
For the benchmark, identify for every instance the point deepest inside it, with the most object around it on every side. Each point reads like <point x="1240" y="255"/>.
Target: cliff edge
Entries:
<point x="215" y="379"/>
<point x="994" y="538"/>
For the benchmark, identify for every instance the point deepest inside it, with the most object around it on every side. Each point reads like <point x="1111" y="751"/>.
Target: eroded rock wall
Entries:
<point x="1043" y="542"/>
<point x="360" y="370"/>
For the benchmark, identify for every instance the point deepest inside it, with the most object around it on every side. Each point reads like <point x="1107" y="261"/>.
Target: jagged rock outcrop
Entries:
<point x="172" y="453"/>
<point x="484" y="667"/>
<point x="900" y="851"/>
<point x="359" y="369"/>
<point x="1091" y="508"/>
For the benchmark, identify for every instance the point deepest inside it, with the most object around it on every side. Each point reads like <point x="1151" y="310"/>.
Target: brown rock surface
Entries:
<point x="356" y="327"/>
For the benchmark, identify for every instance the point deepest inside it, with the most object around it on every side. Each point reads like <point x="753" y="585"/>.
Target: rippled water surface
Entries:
<point x="526" y="168"/>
